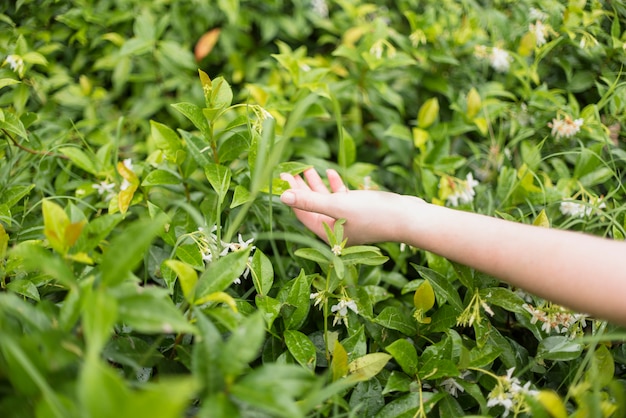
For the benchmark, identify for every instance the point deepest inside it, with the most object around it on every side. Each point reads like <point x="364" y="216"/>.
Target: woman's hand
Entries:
<point x="371" y="216"/>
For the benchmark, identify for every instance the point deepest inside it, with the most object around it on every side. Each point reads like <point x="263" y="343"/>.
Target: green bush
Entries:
<point x="147" y="267"/>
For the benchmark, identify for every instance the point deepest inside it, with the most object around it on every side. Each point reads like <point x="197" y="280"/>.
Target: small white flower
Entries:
<point x="540" y="31"/>
<point x="240" y="245"/>
<point x="464" y="193"/>
<point x="451" y="386"/>
<point x="377" y="49"/>
<point x="341" y="310"/>
<point x="500" y="60"/>
<point x="16" y="63"/>
<point x="128" y="162"/>
<point x="336" y="249"/>
<point x="536" y="14"/>
<point x="104" y="188"/>
<point x="320" y="8"/>
<point x="565" y="128"/>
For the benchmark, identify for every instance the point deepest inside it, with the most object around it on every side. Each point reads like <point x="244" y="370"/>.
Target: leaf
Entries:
<point x="187" y="278"/>
<point x="368" y="366"/>
<point x="4" y="242"/>
<point x="14" y="194"/>
<point x="99" y="315"/>
<point x="503" y="297"/>
<point x="11" y="123"/>
<point x="395" y="318"/>
<point x="7" y="82"/>
<point x="196" y="116"/>
<point x="219" y="177"/>
<point x="25" y="288"/>
<point x="127" y="249"/>
<point x="299" y="297"/>
<point x="405" y="354"/>
<point x="240" y="196"/>
<point x="542" y="220"/>
<point x="428" y="113"/>
<point x="313" y="254"/>
<point x="221" y="273"/>
<point x="206" y="43"/>
<point x="125" y="196"/>
<point x="423" y="299"/>
<point x="301" y="348"/>
<point x="55" y="222"/>
<point x="339" y="363"/>
<point x="152" y="314"/>
<point x="81" y="159"/>
<point x="243" y="345"/>
<point x="473" y="103"/>
<point x="269" y="307"/>
<point x="552" y="403"/>
<point x="602" y="367"/>
<point x="262" y="272"/>
<point x="559" y="347"/>
<point x="160" y="178"/>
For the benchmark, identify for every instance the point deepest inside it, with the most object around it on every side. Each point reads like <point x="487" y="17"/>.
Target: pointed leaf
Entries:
<point x="221" y="273"/>
<point x="127" y="249"/>
<point x="405" y="354"/>
<point x="368" y="366"/>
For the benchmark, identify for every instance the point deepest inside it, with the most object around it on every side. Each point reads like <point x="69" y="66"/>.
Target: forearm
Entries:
<point x="580" y="271"/>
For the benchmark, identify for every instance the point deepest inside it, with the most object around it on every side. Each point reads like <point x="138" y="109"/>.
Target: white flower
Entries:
<point x="451" y="386"/>
<point x="317" y="297"/>
<point x="341" y="310"/>
<point x="105" y="188"/>
<point x="536" y="14"/>
<point x="128" y="162"/>
<point x="500" y="60"/>
<point x="320" y="8"/>
<point x="540" y="30"/>
<point x="465" y="192"/>
<point x="510" y="394"/>
<point x="377" y="49"/>
<point x="16" y="63"/>
<point x="503" y="400"/>
<point x="577" y="209"/>
<point x="336" y="249"/>
<point x="565" y="128"/>
<point x="240" y="245"/>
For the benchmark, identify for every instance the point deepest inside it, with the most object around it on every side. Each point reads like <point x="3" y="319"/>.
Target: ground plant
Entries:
<point x="148" y="268"/>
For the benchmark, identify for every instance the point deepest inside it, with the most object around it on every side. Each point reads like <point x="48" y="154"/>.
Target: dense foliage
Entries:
<point x="147" y="267"/>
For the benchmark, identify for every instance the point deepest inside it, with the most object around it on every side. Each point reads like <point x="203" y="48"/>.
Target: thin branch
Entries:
<point x="32" y="151"/>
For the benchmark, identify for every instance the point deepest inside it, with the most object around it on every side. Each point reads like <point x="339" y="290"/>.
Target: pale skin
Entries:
<point x="576" y="270"/>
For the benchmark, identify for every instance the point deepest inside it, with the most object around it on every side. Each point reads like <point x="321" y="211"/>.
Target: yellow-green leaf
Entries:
<point x="552" y="403"/>
<point x="428" y="113"/>
<point x="542" y="220"/>
<point x="368" y="366"/>
<point x="4" y="242"/>
<point x="420" y="137"/>
<point x="187" y="277"/>
<point x="55" y="222"/>
<point x="474" y="103"/>
<point x="339" y="363"/>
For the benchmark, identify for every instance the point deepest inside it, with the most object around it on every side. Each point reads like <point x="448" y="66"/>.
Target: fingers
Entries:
<point x="334" y="179"/>
<point x="315" y="181"/>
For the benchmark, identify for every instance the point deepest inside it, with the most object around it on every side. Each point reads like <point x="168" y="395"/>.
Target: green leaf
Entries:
<point x="36" y="258"/>
<point x="150" y="313"/>
<point x="11" y="123"/>
<point x="394" y="317"/>
<point x="241" y="196"/>
<point x="221" y="273"/>
<point x="7" y="82"/>
<point x="81" y="159"/>
<point x="269" y="307"/>
<point x="301" y="348"/>
<point x="262" y="272"/>
<point x="559" y="347"/>
<point x="207" y="353"/>
<point x="542" y="220"/>
<point x="368" y="366"/>
<point x="313" y="254"/>
<point x="195" y="115"/>
<point x="187" y="278"/>
<point x="244" y="345"/>
<point x="127" y="249"/>
<point x="160" y="178"/>
<point x="198" y="148"/>
<point x="405" y="354"/>
<point x="219" y="177"/>
<point x="14" y="194"/>
<point x="99" y="315"/>
<point x="165" y="138"/>
<point x="299" y="297"/>
<point x="602" y="367"/>
<point x="25" y="288"/>
<point x="503" y="297"/>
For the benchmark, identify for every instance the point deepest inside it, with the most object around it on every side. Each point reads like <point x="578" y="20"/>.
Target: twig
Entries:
<point x="32" y="151"/>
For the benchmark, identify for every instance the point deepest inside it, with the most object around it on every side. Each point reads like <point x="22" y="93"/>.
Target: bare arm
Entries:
<point x="582" y="272"/>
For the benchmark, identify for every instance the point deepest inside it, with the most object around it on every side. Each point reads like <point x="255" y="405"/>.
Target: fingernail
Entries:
<point x="288" y="198"/>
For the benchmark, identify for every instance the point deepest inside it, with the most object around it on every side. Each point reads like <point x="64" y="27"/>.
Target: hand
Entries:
<point x="371" y="216"/>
